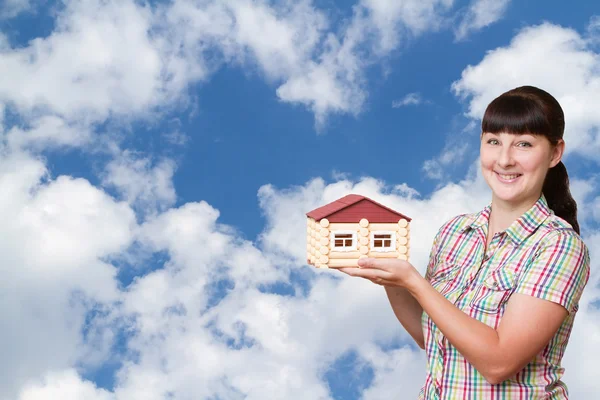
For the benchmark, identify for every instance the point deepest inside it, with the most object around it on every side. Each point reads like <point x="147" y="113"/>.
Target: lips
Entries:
<point x="507" y="177"/>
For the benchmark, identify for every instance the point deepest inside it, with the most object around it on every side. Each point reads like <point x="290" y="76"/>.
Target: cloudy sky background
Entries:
<point x="158" y="158"/>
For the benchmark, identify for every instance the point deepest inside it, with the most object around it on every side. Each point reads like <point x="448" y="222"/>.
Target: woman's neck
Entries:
<point x="503" y="214"/>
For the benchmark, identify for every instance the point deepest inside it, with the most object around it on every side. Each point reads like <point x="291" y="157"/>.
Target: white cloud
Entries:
<point x="64" y="385"/>
<point x="480" y="14"/>
<point x="133" y="59"/>
<point x="187" y="336"/>
<point x="189" y="339"/>
<point x="392" y="18"/>
<point x="439" y="168"/>
<point x="278" y="344"/>
<point x="117" y="68"/>
<point x="4" y="42"/>
<point x="48" y="132"/>
<point x="12" y="8"/>
<point x="146" y="186"/>
<point x="181" y="341"/>
<point x="593" y="209"/>
<point x="336" y="84"/>
<point x="593" y="28"/>
<point x="585" y="192"/>
<point x="411" y="99"/>
<point x="584" y="344"/>
<point x="291" y="45"/>
<point x="176" y="137"/>
<point x="394" y="372"/>
<point x="279" y="238"/>
<point x="453" y="155"/>
<point x="537" y="56"/>
<point x="55" y="238"/>
<point x="404" y="190"/>
<point x="281" y="39"/>
<point x="428" y="214"/>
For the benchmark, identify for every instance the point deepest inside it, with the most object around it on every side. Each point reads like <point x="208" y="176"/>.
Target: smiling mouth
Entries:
<point x="507" y="177"/>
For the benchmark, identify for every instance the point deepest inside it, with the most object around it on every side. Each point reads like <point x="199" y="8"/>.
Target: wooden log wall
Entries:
<point x="318" y="240"/>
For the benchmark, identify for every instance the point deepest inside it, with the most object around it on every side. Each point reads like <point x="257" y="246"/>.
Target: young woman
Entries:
<point x="495" y="309"/>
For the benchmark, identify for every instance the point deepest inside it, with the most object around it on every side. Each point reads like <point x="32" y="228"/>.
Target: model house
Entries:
<point x="353" y="227"/>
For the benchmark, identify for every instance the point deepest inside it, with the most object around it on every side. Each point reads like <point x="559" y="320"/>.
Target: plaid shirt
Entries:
<point x="538" y="255"/>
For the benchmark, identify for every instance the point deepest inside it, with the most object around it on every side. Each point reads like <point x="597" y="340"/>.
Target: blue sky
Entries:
<point x="158" y="159"/>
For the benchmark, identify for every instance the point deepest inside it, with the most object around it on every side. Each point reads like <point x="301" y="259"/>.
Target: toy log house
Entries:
<point x="353" y="227"/>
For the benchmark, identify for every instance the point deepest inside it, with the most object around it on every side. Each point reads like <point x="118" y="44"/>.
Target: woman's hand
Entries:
<point x="390" y="272"/>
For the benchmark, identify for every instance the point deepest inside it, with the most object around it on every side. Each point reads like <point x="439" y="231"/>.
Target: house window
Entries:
<point x="383" y="241"/>
<point x="343" y="241"/>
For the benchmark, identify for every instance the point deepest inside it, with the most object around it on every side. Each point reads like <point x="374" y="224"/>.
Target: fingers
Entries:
<point x="373" y="275"/>
<point x="377" y="281"/>
<point x="382" y="282"/>
<point x="381" y="271"/>
<point x="367" y="262"/>
<point x="354" y="272"/>
<point x="383" y="264"/>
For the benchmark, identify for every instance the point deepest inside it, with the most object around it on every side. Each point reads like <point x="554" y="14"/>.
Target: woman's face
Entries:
<point x="515" y="165"/>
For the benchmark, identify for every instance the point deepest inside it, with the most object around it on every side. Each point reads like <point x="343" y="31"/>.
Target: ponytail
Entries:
<point x="557" y="194"/>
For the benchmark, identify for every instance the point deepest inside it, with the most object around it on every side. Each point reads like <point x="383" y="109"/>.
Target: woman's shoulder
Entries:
<point x="556" y="231"/>
<point x="555" y="228"/>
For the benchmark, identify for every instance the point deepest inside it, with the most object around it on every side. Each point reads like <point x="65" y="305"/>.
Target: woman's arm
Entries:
<point x="406" y="308"/>
<point x="549" y="289"/>
<point x="527" y="326"/>
<point x="408" y="311"/>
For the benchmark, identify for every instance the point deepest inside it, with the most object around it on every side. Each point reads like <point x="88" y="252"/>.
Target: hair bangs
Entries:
<point x="516" y="115"/>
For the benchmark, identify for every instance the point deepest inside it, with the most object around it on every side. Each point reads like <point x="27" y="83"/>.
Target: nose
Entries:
<point x="505" y="158"/>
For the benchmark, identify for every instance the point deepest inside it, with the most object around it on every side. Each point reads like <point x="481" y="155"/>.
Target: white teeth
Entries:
<point x="509" y="177"/>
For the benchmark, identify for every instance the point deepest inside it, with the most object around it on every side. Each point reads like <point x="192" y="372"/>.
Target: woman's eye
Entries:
<point x="492" y="141"/>
<point x="524" y="144"/>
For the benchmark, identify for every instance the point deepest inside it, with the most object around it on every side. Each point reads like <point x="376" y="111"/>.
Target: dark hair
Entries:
<point x="528" y="109"/>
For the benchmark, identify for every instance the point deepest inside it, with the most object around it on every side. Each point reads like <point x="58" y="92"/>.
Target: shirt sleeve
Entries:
<point x="432" y="258"/>
<point x="558" y="272"/>
<point x="433" y="254"/>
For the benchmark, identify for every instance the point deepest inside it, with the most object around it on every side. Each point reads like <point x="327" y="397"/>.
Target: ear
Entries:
<point x="557" y="153"/>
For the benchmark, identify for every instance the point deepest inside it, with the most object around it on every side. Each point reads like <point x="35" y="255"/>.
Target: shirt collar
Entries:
<point x="520" y="229"/>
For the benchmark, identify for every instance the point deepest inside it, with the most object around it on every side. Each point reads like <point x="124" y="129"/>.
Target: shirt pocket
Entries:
<point x="494" y="291"/>
<point x="444" y="278"/>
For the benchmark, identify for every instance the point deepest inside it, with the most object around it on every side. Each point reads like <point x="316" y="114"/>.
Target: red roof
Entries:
<point x="354" y="207"/>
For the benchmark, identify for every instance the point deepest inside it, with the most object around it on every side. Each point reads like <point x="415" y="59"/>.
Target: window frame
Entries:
<point x="383" y="249"/>
<point x="343" y="232"/>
